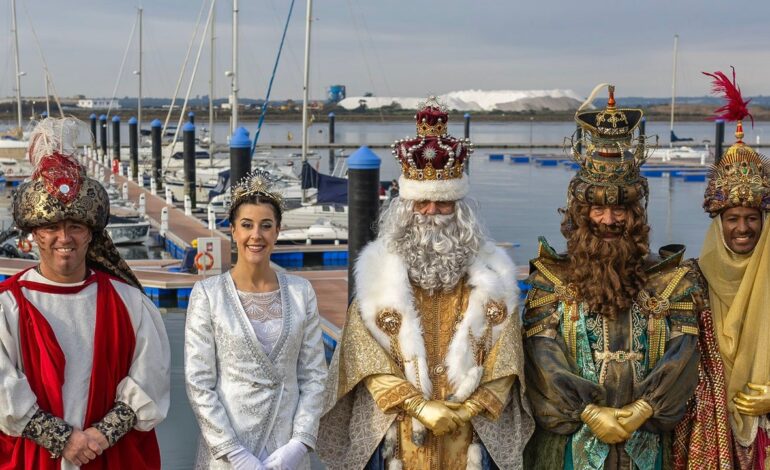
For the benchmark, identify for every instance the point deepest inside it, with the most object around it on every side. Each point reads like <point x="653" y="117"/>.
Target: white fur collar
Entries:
<point x="382" y="283"/>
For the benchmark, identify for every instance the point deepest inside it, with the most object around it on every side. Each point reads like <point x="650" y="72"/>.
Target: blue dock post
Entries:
<point x="363" y="205"/>
<point x="188" y="137"/>
<point x="191" y="117"/>
<point x="719" y="141"/>
<point x="92" y="117"/>
<point x="133" y="148"/>
<point x="157" y="160"/>
<point x="332" y="117"/>
<point x="116" y="144"/>
<point x="103" y="136"/>
<point x="240" y="155"/>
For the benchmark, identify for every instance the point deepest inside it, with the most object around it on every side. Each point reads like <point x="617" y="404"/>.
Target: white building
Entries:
<point x="98" y="103"/>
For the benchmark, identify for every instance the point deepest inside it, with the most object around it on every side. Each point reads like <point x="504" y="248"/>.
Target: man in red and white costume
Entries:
<point x="84" y="356"/>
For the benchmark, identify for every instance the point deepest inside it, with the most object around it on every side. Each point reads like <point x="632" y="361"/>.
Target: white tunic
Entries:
<point x="72" y="317"/>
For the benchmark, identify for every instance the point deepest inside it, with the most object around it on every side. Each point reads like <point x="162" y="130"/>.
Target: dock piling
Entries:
<point x="133" y="148"/>
<point x="188" y="136"/>
<point x="363" y="205"/>
<point x="169" y="197"/>
<point x="116" y="145"/>
<point x="153" y="186"/>
<point x="187" y="205"/>
<point x="157" y="159"/>
<point x="142" y="204"/>
<point x="719" y="140"/>
<point x="332" y="118"/>
<point x="240" y="155"/>
<point x="103" y="137"/>
<point x="93" y="118"/>
<point x="125" y="191"/>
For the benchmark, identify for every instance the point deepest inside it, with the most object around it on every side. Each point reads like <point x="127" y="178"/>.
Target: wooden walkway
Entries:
<point x="182" y="229"/>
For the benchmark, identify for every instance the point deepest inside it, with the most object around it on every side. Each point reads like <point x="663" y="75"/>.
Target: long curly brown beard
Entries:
<point x="607" y="274"/>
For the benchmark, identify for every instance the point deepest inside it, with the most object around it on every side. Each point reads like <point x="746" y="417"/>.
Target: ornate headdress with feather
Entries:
<point x="741" y="178"/>
<point x="59" y="190"/>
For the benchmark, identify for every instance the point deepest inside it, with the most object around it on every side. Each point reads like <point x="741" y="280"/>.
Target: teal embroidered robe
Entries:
<point x="576" y="357"/>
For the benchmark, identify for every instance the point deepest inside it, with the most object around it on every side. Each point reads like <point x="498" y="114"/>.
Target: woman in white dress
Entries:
<point x="254" y="360"/>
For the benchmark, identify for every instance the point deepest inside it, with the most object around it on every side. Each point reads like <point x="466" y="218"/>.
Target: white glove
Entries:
<point x="287" y="457"/>
<point x="242" y="459"/>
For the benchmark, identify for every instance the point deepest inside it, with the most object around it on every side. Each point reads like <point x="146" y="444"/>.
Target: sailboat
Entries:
<point x="674" y="137"/>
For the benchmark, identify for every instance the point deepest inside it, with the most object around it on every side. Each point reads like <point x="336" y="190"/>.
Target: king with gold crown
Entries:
<point x="610" y="329"/>
<point x="428" y="373"/>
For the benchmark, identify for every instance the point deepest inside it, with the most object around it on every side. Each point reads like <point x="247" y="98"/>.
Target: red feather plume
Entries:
<point x="736" y="109"/>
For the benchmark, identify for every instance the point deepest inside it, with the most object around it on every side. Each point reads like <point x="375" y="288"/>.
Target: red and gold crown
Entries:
<point x="742" y="176"/>
<point x="433" y="163"/>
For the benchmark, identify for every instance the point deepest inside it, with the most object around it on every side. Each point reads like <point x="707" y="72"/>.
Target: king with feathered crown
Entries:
<point x="726" y="425"/>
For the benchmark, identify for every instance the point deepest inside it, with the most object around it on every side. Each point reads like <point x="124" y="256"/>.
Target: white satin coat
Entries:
<point x="240" y="395"/>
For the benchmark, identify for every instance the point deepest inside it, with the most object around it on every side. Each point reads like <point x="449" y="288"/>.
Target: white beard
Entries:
<point x="435" y="250"/>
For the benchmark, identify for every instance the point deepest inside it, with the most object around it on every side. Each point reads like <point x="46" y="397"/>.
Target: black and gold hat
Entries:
<point x="609" y="155"/>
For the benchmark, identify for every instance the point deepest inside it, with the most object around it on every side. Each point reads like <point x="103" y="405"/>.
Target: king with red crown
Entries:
<point x="428" y="371"/>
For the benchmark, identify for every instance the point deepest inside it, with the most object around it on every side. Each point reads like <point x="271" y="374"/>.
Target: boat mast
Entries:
<point x="139" y="101"/>
<point x="305" y="85"/>
<point x="211" y="89"/>
<point x="47" y="96"/>
<point x="19" y="73"/>
<point x="234" y="77"/>
<point x="673" y="90"/>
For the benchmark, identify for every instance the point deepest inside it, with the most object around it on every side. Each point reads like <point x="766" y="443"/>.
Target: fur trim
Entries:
<point x="474" y="460"/>
<point x="382" y="282"/>
<point x="433" y="190"/>
<point x="395" y="464"/>
<point x="419" y="433"/>
<point x="391" y="438"/>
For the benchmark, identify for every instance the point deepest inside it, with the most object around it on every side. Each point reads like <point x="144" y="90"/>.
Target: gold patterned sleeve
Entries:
<point x="493" y="395"/>
<point x="389" y="391"/>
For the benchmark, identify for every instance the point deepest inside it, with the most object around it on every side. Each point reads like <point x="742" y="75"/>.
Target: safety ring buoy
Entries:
<point x="201" y="266"/>
<point x="25" y="245"/>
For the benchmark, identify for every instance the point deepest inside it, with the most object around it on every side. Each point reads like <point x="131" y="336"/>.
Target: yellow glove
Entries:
<point x="434" y="415"/>
<point x="603" y="422"/>
<point x="640" y="410"/>
<point x="754" y="403"/>
<point x="465" y="410"/>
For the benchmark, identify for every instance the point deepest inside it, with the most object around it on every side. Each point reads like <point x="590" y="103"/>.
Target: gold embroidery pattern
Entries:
<point x="396" y="395"/>
<point x="488" y="400"/>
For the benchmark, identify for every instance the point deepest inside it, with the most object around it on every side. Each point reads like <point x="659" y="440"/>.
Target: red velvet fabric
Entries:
<point x="44" y="362"/>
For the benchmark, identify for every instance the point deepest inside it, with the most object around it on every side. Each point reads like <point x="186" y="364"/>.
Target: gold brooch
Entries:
<point x="496" y="312"/>
<point x="389" y="321"/>
<point x="653" y="305"/>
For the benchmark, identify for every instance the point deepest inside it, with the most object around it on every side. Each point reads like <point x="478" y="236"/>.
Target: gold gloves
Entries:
<point x="465" y="410"/>
<point x="603" y="422"/>
<point x="754" y="403"/>
<point x="434" y="415"/>
<point x="640" y="410"/>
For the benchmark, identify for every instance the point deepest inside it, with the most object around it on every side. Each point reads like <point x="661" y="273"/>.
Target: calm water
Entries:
<point x="517" y="202"/>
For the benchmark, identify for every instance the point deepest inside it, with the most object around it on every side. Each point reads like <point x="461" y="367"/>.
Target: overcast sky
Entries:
<point x="395" y="47"/>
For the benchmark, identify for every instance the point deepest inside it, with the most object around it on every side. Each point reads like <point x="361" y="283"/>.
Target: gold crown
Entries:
<point x="257" y="182"/>
<point x="740" y="179"/>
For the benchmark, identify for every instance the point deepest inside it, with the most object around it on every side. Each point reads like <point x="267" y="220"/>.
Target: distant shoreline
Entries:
<point x="684" y="113"/>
